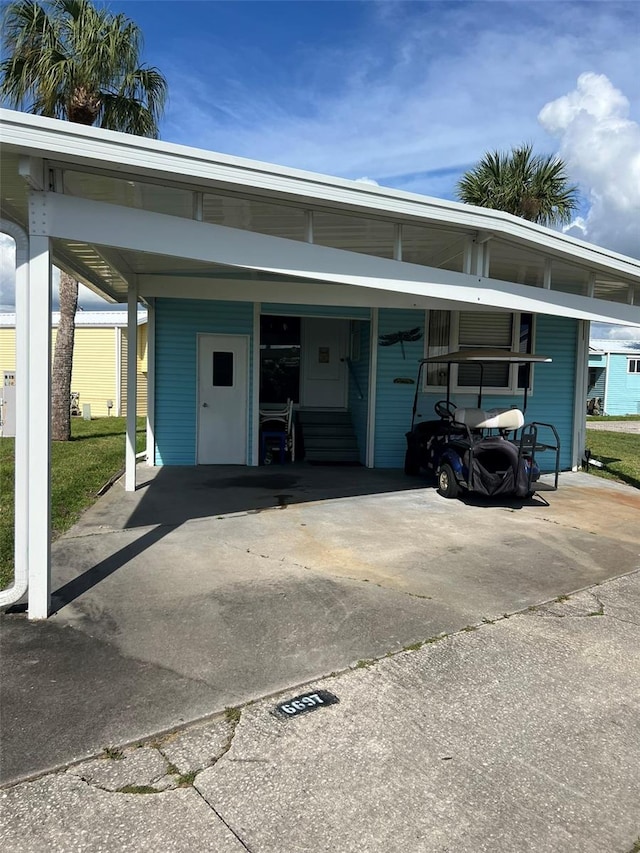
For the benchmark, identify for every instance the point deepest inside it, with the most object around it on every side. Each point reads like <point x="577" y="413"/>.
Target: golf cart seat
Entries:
<point x="502" y="419"/>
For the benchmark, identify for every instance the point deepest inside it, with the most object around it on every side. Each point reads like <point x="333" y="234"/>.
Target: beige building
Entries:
<point x="99" y="359"/>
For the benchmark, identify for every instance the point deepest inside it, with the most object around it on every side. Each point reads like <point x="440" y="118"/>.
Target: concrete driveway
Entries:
<point x="210" y="587"/>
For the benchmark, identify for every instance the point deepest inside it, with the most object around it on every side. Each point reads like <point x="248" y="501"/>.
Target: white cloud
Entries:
<point x="366" y="180"/>
<point x="7" y="272"/>
<point x="601" y="146"/>
<point x="425" y="87"/>
<point x="609" y="331"/>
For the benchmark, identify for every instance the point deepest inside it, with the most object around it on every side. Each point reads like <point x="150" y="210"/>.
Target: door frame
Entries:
<point x="346" y="377"/>
<point x="248" y="430"/>
<point x="372" y="368"/>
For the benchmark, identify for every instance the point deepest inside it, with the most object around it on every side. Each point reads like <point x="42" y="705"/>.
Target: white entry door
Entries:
<point x="222" y="399"/>
<point x="324" y="370"/>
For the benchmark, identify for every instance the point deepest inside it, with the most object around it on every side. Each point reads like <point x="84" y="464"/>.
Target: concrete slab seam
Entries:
<point x="324" y="573"/>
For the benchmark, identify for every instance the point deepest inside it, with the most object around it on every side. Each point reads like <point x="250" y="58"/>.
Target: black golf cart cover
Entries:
<point x="495" y="470"/>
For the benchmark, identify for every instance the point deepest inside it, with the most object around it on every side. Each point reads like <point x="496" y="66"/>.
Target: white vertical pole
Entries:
<point x="255" y="421"/>
<point x="467" y="261"/>
<point x="39" y="431"/>
<point x="607" y="374"/>
<point x="580" y="400"/>
<point x="397" y="241"/>
<point x="479" y="259"/>
<point x="486" y="264"/>
<point x="308" y="226"/>
<point x="373" y="385"/>
<point x="132" y="376"/>
<point x="15" y="592"/>
<point x="151" y="382"/>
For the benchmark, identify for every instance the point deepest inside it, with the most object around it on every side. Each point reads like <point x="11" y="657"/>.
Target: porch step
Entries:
<point x="330" y="442"/>
<point x="328" y="436"/>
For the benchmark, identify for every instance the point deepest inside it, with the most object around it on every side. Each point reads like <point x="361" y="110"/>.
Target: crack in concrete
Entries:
<point x="234" y="719"/>
<point x="132" y="787"/>
<point x="107" y="531"/>
<point x="542" y="609"/>
<point x="624" y="621"/>
<point x="324" y="573"/>
<point x="226" y="823"/>
<point x="122" y="790"/>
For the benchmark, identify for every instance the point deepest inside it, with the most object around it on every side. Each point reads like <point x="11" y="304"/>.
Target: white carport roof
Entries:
<point x="173" y="220"/>
<point x="136" y="218"/>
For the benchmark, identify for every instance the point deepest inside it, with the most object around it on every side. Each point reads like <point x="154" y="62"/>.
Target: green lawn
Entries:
<point x="79" y="469"/>
<point x="620" y="454"/>
<point x="613" y="418"/>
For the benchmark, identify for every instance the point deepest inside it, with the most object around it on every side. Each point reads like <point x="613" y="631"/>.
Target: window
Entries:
<point x="633" y="365"/>
<point x="279" y="359"/>
<point x="450" y="331"/>
<point x="223" y="369"/>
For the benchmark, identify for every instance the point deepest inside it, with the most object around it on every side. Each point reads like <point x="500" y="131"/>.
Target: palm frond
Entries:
<point x="531" y="186"/>
<point x="71" y="60"/>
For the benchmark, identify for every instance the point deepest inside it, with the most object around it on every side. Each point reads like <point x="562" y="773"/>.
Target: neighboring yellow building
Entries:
<point x="99" y="359"/>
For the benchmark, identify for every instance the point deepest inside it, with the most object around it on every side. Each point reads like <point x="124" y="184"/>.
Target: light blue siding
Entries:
<point x="554" y="384"/>
<point x="597" y="366"/>
<point x="394" y="400"/>
<point x="555" y="337"/>
<point x="178" y="322"/>
<point x="314" y="310"/>
<point x="623" y="388"/>
<point x="358" y="406"/>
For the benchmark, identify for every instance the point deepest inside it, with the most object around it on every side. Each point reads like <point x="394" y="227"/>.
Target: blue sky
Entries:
<point x="410" y="94"/>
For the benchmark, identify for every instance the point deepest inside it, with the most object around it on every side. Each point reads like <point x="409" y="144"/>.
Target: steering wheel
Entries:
<point x="445" y="409"/>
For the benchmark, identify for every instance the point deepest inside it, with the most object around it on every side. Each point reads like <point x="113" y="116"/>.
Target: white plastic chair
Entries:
<point x="274" y="414"/>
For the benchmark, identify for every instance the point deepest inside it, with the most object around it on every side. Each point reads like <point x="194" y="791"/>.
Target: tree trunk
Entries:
<point x="63" y="360"/>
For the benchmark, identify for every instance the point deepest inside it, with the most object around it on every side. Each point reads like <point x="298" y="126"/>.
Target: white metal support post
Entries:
<point x="255" y="386"/>
<point x="373" y="386"/>
<point x="580" y="399"/>
<point x="21" y="515"/>
<point x="151" y="382"/>
<point x="132" y="389"/>
<point x="39" y="431"/>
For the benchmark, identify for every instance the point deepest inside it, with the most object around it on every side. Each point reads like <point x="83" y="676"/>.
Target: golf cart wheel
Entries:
<point x="447" y="483"/>
<point x="411" y="464"/>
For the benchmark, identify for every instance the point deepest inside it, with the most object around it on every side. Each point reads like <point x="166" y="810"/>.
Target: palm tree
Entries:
<point x="66" y="59"/>
<point x="534" y="187"/>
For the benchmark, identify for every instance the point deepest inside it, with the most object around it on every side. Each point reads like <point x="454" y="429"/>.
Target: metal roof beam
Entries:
<point x="119" y="227"/>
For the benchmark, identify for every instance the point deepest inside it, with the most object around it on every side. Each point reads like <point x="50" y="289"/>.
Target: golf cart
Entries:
<point x="473" y="450"/>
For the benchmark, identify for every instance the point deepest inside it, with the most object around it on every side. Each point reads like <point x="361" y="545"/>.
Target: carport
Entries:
<point x="139" y="220"/>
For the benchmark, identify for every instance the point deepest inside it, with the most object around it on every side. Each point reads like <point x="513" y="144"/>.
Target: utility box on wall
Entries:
<point x="8" y="405"/>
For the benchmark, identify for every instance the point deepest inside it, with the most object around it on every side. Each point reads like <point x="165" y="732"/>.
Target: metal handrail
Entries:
<point x="352" y="373"/>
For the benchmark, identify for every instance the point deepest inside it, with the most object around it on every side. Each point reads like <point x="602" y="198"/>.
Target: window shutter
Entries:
<point x="485" y="330"/>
